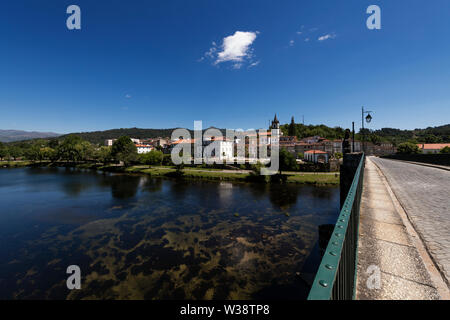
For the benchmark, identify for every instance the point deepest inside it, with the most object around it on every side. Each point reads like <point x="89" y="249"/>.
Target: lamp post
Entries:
<point x="368" y="119"/>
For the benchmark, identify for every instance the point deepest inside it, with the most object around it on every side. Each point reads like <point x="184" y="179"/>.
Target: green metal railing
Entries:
<point x="336" y="276"/>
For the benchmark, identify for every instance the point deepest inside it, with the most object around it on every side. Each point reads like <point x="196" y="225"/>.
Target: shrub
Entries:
<point x="408" y="148"/>
<point x="153" y="157"/>
<point x="445" y="150"/>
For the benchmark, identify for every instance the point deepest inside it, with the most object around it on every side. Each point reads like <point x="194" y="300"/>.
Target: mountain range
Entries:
<point x="437" y="134"/>
<point x="19" y="135"/>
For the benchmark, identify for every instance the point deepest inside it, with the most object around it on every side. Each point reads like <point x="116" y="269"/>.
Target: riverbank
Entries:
<point x="235" y="175"/>
<point x="193" y="173"/>
<point x="14" y="164"/>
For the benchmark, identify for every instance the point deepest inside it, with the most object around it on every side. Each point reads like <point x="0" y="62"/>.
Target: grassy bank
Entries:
<point x="189" y="172"/>
<point x="229" y="175"/>
<point x="14" y="164"/>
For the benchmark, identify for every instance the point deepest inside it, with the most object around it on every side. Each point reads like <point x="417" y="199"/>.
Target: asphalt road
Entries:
<point x="424" y="193"/>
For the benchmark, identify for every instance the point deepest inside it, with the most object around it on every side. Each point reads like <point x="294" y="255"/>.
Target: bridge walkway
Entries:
<point x="390" y="250"/>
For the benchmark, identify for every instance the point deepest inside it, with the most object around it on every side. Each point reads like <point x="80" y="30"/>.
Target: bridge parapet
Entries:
<point x="336" y="276"/>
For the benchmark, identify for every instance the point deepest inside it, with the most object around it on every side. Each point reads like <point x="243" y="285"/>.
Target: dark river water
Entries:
<point x="135" y="237"/>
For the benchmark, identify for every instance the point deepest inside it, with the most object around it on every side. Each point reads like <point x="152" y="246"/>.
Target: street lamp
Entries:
<point x="368" y="120"/>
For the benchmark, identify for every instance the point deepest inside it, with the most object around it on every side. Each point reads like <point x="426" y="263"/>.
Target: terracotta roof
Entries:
<point x="184" y="141"/>
<point x="315" y="151"/>
<point x="287" y="144"/>
<point x="144" y="146"/>
<point x="435" y="146"/>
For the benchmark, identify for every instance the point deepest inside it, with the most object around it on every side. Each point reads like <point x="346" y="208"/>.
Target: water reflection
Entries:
<point x="123" y="186"/>
<point x="283" y="196"/>
<point x="135" y="237"/>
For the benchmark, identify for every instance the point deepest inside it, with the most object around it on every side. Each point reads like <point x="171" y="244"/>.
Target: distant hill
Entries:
<point x="19" y="135"/>
<point x="428" y="135"/>
<point x="99" y="137"/>
<point x="440" y="134"/>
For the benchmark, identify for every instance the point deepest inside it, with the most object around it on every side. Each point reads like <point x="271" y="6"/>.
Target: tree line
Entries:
<point x="75" y="149"/>
<point x="439" y="134"/>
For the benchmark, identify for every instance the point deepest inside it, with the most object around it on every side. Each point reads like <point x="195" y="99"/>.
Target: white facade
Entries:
<point x="223" y="150"/>
<point x="316" y="156"/>
<point x="226" y="150"/>
<point x="143" y="148"/>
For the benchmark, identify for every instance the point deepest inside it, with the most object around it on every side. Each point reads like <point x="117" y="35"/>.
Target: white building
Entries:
<point x="109" y="142"/>
<point x="432" y="147"/>
<point x="316" y="156"/>
<point x="144" y="148"/>
<point x="224" y="149"/>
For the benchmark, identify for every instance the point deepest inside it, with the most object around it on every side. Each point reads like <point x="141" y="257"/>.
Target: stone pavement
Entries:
<point x="424" y="194"/>
<point x="389" y="243"/>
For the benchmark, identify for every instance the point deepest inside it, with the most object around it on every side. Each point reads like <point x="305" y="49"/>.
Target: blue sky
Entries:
<point x="144" y="64"/>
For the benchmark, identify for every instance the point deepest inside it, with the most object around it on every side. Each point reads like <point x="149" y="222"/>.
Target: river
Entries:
<point x="136" y="237"/>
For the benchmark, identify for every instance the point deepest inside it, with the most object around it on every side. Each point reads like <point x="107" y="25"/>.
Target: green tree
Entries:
<point x="445" y="149"/>
<point x="53" y="143"/>
<point x="153" y="157"/>
<point x="408" y="148"/>
<point x="287" y="161"/>
<point x="102" y="154"/>
<point x="48" y="153"/>
<point x="375" y="139"/>
<point x="70" y="148"/>
<point x="15" y="152"/>
<point x="3" y="151"/>
<point x="431" y="138"/>
<point x="338" y="155"/>
<point x="123" y="149"/>
<point x="85" y="150"/>
<point x="292" y="129"/>
<point x="300" y="155"/>
<point x="34" y="153"/>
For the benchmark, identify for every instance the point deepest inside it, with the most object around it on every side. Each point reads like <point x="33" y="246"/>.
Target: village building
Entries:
<point x="432" y="147"/>
<point x="316" y="156"/>
<point x="144" y="148"/>
<point x="223" y="148"/>
<point x="109" y="142"/>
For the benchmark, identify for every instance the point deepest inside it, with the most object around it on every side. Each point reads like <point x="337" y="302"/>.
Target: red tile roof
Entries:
<point x="435" y="146"/>
<point x="144" y="146"/>
<point x="184" y="141"/>
<point x="315" y="151"/>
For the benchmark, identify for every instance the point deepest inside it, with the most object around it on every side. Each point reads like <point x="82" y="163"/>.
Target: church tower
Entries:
<point x="276" y="127"/>
<point x="275" y="123"/>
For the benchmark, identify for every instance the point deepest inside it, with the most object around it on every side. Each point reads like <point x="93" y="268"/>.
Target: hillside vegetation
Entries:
<point x="439" y="134"/>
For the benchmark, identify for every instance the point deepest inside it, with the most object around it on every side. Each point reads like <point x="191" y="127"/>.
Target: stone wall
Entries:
<point x="438" y="159"/>
<point x="348" y="169"/>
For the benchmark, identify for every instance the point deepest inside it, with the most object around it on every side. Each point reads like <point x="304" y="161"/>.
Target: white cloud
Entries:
<point x="306" y="39"/>
<point x="127" y="96"/>
<point x="327" y="36"/>
<point x="237" y="65"/>
<point x="254" y="64"/>
<point x="235" y="48"/>
<point x="211" y="51"/>
<point x="291" y="43"/>
<point x="299" y="32"/>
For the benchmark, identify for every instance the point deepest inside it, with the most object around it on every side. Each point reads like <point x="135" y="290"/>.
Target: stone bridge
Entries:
<point x="404" y="231"/>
